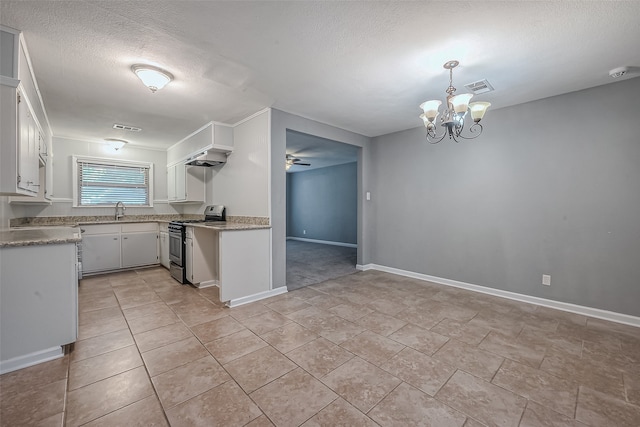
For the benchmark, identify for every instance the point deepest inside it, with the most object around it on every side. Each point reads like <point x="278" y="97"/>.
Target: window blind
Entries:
<point x="107" y="184"/>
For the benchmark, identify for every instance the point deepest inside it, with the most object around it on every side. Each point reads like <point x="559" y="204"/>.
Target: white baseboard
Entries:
<point x="324" y="242"/>
<point x="206" y="284"/>
<point x="257" y="297"/>
<point x="564" y="306"/>
<point x="30" y="359"/>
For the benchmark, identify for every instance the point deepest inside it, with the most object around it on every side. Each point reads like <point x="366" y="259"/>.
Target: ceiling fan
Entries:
<point x="291" y="160"/>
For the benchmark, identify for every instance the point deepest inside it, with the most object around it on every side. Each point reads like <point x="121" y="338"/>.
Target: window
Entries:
<point x="104" y="182"/>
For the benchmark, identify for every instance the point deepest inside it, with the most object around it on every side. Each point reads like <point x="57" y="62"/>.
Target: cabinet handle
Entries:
<point x="115" y="238"/>
<point x="125" y="238"/>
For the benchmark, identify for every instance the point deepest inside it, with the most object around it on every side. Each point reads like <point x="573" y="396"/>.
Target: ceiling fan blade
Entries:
<point x="302" y="164"/>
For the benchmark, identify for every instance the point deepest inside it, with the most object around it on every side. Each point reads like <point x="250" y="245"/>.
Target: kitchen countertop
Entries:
<point x="227" y="226"/>
<point x="74" y="221"/>
<point x="58" y="230"/>
<point x="39" y="236"/>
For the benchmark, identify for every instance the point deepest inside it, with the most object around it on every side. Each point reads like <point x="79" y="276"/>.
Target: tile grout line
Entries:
<point x="153" y="386"/>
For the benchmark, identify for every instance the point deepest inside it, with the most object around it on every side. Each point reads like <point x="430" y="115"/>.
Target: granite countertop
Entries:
<point x="227" y="226"/>
<point x="39" y="236"/>
<point x="52" y="230"/>
<point x="239" y="222"/>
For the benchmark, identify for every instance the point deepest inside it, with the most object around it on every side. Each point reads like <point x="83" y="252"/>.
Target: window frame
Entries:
<point x="77" y="160"/>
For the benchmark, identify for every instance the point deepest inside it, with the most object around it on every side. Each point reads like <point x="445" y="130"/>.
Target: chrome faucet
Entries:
<point x="119" y="213"/>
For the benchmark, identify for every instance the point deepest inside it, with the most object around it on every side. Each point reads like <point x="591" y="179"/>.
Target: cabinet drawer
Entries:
<point x="89" y="230"/>
<point x="139" y="227"/>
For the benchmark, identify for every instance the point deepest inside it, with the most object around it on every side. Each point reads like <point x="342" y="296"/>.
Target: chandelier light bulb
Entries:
<point x="460" y="102"/>
<point x="478" y="109"/>
<point x="430" y="109"/>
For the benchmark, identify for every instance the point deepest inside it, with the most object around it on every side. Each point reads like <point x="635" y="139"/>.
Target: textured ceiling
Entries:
<point x="319" y="152"/>
<point x="360" y="66"/>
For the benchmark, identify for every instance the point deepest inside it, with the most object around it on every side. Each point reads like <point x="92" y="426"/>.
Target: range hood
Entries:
<point x="207" y="159"/>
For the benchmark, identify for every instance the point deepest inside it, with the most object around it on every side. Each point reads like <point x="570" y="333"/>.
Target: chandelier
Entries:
<point x="454" y="114"/>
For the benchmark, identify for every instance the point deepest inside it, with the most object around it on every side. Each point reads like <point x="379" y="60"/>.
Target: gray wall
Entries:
<point x="323" y="202"/>
<point x="551" y="187"/>
<point x="280" y="122"/>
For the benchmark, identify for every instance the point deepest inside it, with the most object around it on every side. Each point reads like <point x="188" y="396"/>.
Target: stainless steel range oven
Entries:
<point x="177" y="238"/>
<point x="177" y="251"/>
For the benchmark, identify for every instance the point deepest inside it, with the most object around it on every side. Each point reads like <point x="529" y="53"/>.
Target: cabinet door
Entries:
<point x="204" y="257"/>
<point x="171" y="183"/>
<point x="100" y="252"/>
<point x="181" y="182"/>
<point x="164" y="249"/>
<point x="27" y="148"/>
<point x="139" y="249"/>
<point x="189" y="258"/>
<point x="39" y="295"/>
<point x="194" y="184"/>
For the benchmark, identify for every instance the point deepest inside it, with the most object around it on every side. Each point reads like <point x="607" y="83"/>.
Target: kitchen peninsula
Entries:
<point x="233" y="255"/>
<point x="38" y="294"/>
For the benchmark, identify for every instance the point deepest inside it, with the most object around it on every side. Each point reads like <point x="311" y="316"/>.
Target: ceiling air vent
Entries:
<point x="481" y="86"/>
<point x="127" y="128"/>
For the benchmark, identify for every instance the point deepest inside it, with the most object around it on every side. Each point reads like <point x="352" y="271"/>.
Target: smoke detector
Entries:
<point x="618" y="72"/>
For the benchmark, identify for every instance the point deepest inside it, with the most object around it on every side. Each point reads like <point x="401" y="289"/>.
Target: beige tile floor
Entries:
<point x="363" y="350"/>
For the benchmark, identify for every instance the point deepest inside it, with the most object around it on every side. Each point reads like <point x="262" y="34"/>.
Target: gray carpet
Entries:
<point x="311" y="263"/>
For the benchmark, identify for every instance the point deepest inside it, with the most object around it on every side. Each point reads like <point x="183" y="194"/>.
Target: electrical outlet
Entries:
<point x="304" y="231"/>
<point x="546" y="280"/>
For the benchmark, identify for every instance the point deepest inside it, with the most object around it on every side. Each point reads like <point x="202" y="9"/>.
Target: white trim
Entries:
<point x="253" y="116"/>
<point x="206" y="125"/>
<point x="30" y="359"/>
<point x="559" y="305"/>
<point x="324" y="242"/>
<point x="256" y="297"/>
<point x="23" y="44"/>
<point x="269" y="183"/>
<point x="206" y="284"/>
<point x="109" y="162"/>
<point x="9" y="81"/>
<point x="133" y="145"/>
<point x="70" y="200"/>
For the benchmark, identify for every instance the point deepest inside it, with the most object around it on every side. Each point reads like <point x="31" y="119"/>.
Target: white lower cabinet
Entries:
<point x="164" y="249"/>
<point x="139" y="249"/>
<point x="108" y="247"/>
<point x="100" y="252"/>
<point x="201" y="254"/>
<point x="38" y="303"/>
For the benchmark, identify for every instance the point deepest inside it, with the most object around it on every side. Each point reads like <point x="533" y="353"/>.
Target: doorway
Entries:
<point x="321" y="209"/>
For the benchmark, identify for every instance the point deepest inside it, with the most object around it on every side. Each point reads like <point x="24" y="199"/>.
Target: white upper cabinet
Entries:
<point x="185" y="184"/>
<point x="212" y="136"/>
<point x="25" y="133"/>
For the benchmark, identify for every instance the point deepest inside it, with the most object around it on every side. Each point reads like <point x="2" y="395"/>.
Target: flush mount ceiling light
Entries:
<point x="116" y="144"/>
<point x="453" y="117"/>
<point x="153" y="77"/>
